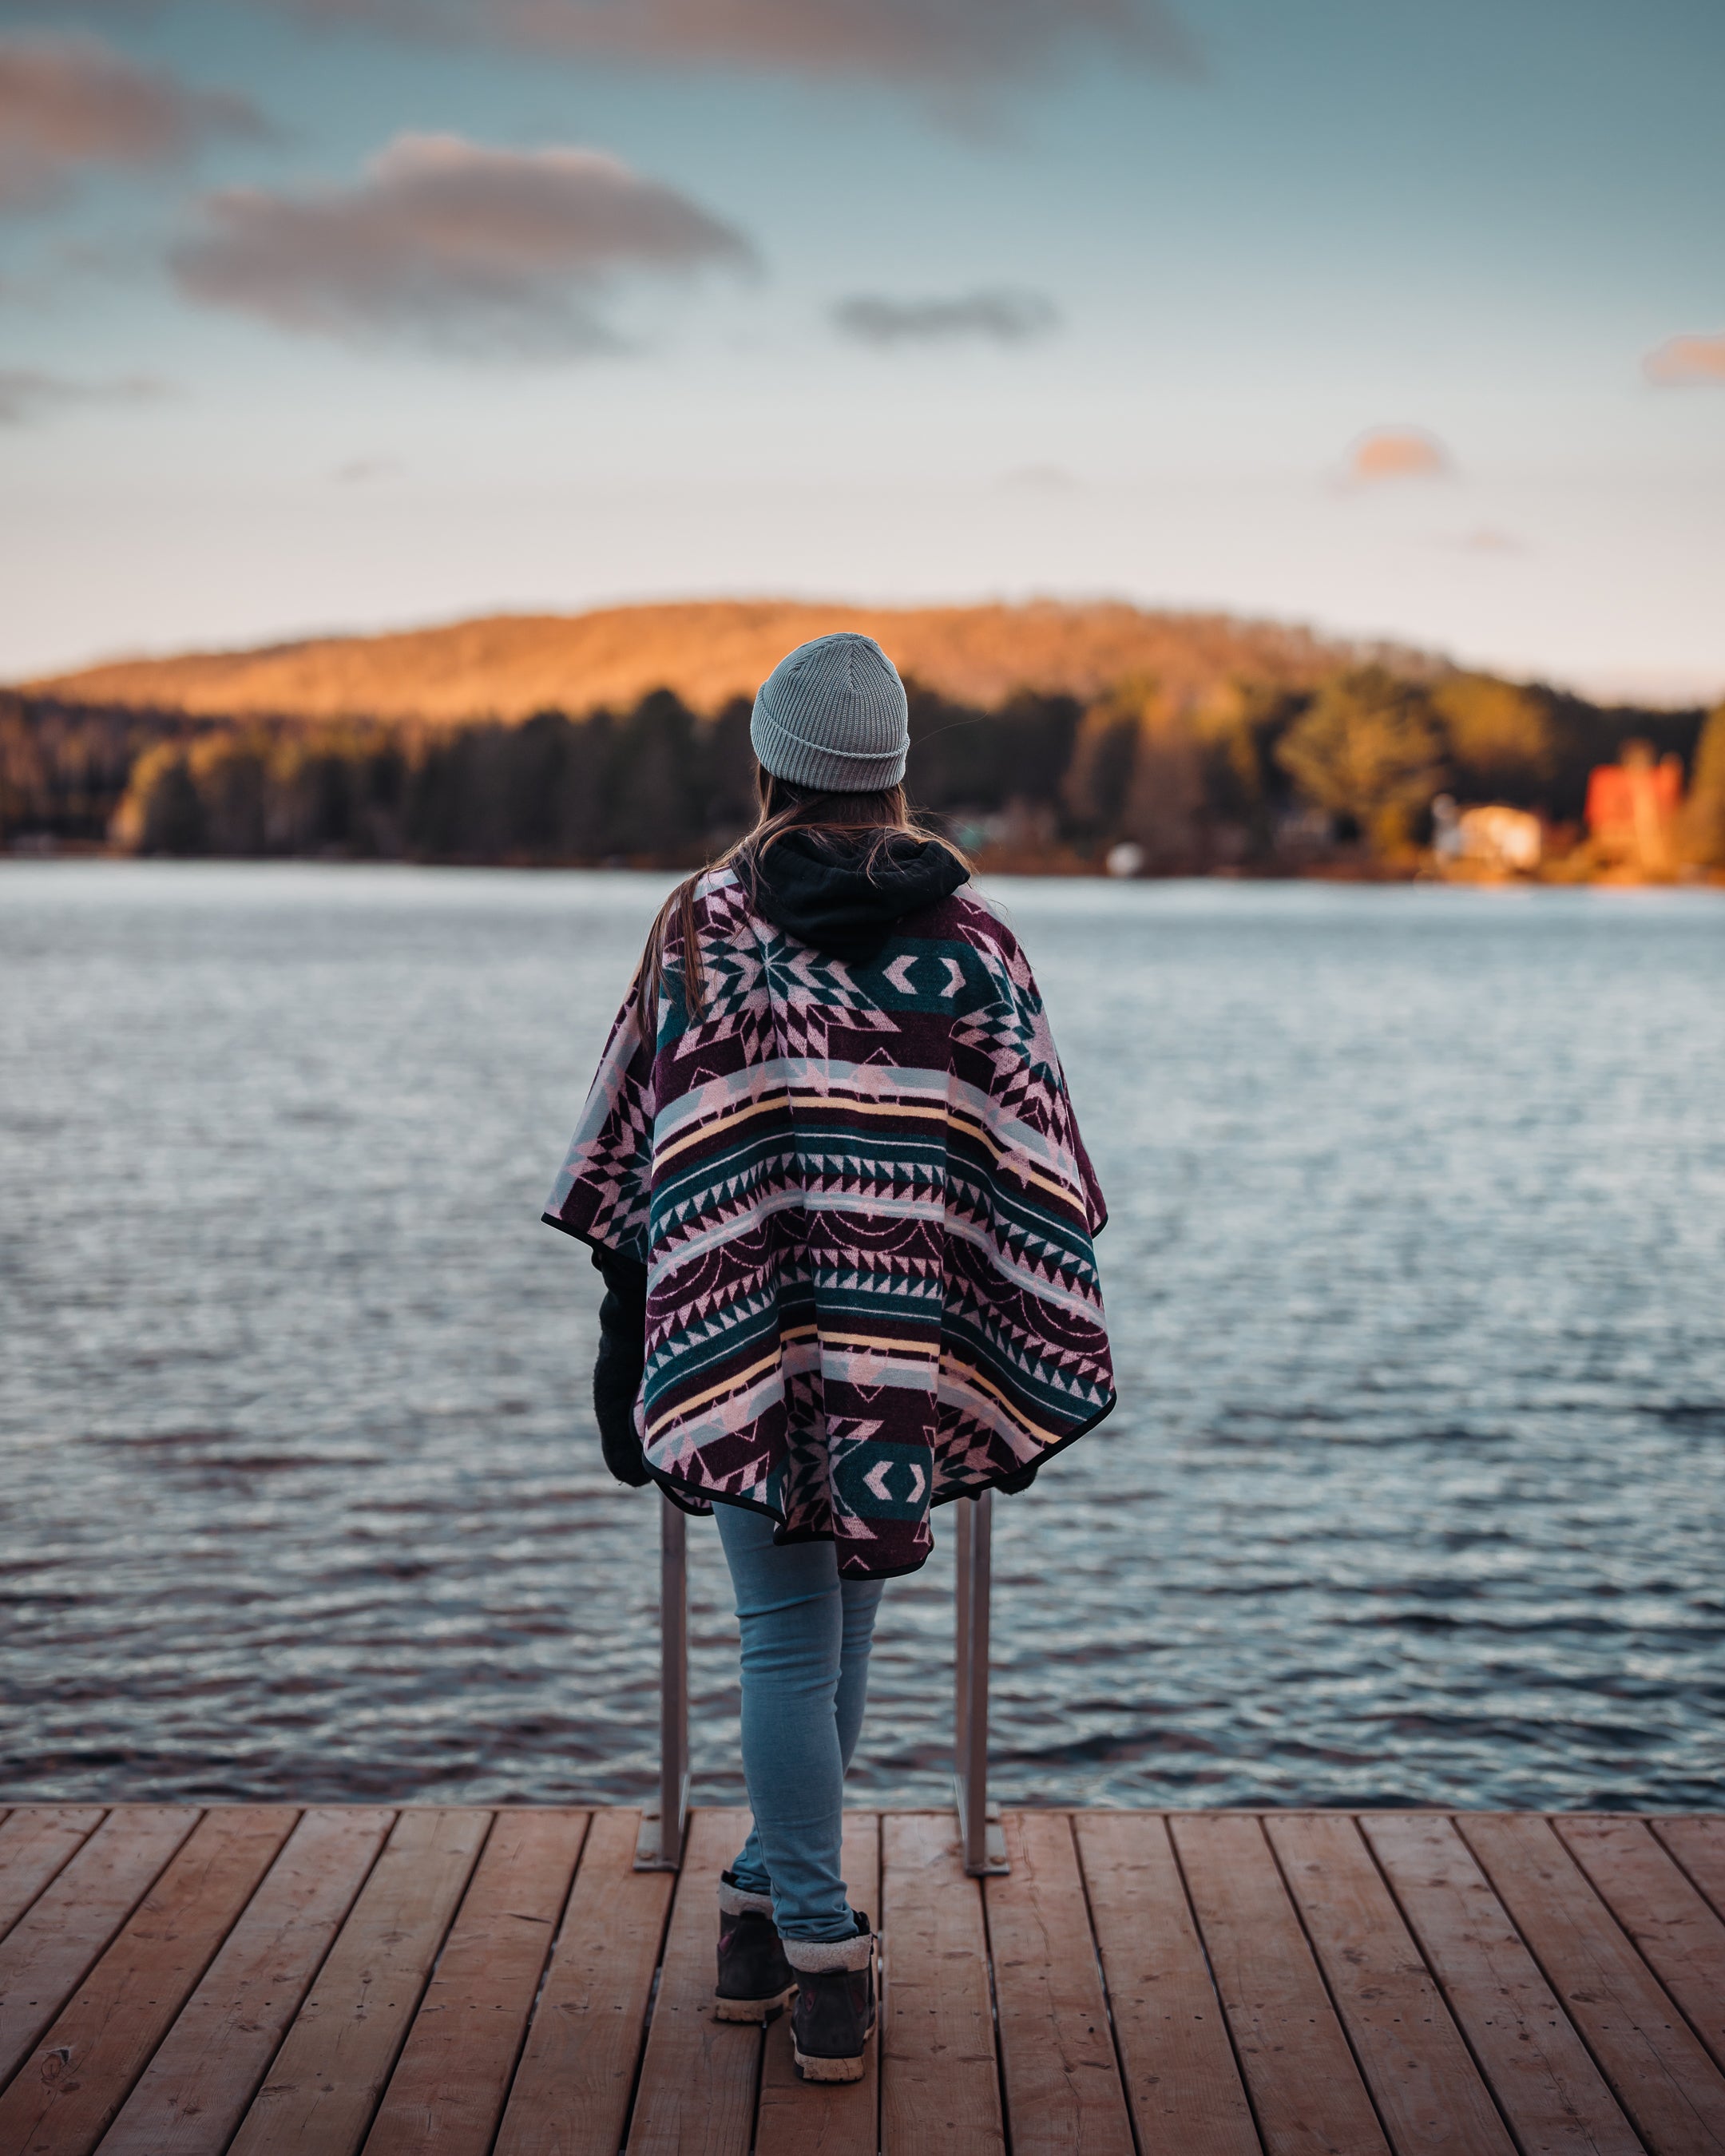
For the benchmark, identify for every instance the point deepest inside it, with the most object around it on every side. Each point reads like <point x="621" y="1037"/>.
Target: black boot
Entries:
<point x="835" y="2014"/>
<point x="755" y="1979"/>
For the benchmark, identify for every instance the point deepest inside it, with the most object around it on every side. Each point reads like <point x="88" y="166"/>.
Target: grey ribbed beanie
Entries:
<point x="832" y="717"/>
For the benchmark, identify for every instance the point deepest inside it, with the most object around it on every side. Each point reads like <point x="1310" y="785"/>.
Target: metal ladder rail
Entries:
<point x="979" y="1832"/>
<point x="658" y="1847"/>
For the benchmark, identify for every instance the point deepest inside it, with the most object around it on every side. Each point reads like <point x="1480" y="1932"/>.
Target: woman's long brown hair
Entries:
<point x="883" y="816"/>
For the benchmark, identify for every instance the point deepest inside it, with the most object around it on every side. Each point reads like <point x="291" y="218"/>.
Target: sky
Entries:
<point x="1407" y="322"/>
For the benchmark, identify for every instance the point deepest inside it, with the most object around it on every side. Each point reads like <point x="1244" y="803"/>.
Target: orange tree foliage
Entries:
<point x="1238" y="772"/>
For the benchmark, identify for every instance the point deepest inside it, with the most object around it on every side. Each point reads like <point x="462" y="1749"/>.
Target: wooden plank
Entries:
<point x="34" y="1843"/>
<point x="1181" y="2077"/>
<point x="939" y="2086"/>
<point x="1675" y="1931"/>
<point x="196" y="2090"/>
<point x="53" y="1945"/>
<point x="1658" y="2070"/>
<point x="698" y="2076"/>
<point x="1546" y="2085"/>
<point x="75" y="2081"/>
<point x="1699" y="1844"/>
<point x="571" y="2092"/>
<point x="1304" y="2087"/>
<point x="1063" y="2091"/>
<point x="333" y="2065"/>
<point x="825" y="2118"/>
<point x="1428" y="2092"/>
<point x="446" y="2094"/>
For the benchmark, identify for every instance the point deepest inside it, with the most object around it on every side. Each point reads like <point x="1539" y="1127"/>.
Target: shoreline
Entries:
<point x="1066" y="868"/>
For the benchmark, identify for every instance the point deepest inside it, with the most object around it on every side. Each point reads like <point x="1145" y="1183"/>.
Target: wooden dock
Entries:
<point x="179" y="1982"/>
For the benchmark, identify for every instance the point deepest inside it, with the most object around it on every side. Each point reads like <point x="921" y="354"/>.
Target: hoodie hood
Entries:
<point x="818" y="888"/>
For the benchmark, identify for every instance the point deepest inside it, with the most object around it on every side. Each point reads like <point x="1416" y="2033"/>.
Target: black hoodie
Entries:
<point x="826" y="891"/>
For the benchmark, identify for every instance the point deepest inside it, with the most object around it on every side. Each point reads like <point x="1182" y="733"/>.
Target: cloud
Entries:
<point x="998" y="317"/>
<point x="1687" y="362"/>
<point x="951" y="43"/>
<point x="1488" y="539"/>
<point x="916" y="41"/>
<point x="1392" y="453"/>
<point x="948" y="45"/>
<point x="27" y="394"/>
<point x="445" y="242"/>
<point x="70" y="102"/>
<point x="362" y="471"/>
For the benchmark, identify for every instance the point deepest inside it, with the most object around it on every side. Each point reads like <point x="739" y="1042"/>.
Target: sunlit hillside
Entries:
<point x="508" y="667"/>
<point x="1047" y="734"/>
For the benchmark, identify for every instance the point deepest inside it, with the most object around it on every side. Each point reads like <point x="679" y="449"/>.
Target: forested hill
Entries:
<point x="509" y="666"/>
<point x="1043" y="736"/>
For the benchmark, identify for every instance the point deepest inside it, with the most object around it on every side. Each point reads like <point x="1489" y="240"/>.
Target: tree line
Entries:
<point x="1253" y="778"/>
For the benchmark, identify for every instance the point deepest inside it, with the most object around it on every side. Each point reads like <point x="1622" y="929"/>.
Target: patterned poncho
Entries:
<point x="866" y="1212"/>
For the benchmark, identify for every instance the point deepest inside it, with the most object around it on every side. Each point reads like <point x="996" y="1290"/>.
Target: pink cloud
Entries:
<point x="913" y="40"/>
<point x="1488" y="539"/>
<point x="951" y="44"/>
<point x="1687" y="362"/>
<point x="1396" y="452"/>
<point x="70" y="102"/>
<point x="447" y="243"/>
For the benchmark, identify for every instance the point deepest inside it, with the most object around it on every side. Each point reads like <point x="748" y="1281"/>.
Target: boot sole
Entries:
<point x="827" y="2070"/>
<point x="753" y="2009"/>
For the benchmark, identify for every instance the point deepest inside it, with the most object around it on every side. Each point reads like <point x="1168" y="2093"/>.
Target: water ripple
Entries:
<point x="1414" y="1270"/>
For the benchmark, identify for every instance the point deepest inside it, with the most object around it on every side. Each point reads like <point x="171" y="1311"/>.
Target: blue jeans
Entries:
<point x="806" y="1635"/>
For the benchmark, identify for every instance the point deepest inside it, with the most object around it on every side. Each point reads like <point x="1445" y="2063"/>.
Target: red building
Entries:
<point x="1632" y="807"/>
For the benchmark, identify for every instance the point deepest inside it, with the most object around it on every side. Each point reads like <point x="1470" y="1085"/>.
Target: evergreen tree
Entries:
<point x="1368" y="753"/>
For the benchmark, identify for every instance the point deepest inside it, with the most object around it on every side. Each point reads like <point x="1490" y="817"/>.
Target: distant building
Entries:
<point x="1632" y="809"/>
<point x="1495" y="839"/>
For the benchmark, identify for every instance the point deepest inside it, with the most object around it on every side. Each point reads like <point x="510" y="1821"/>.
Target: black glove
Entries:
<point x="622" y="1357"/>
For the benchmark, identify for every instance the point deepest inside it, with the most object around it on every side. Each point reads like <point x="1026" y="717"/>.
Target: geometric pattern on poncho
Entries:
<point x="867" y="1218"/>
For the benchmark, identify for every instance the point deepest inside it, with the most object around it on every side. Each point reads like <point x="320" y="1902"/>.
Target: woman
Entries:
<point x="830" y="1173"/>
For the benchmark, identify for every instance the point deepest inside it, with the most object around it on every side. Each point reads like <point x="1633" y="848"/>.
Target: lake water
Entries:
<point x="1416" y="1275"/>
